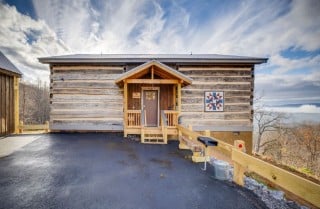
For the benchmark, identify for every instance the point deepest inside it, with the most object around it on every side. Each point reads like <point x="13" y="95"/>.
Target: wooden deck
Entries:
<point x="152" y="135"/>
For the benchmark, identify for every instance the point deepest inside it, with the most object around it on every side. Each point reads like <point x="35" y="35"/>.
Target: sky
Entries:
<point x="287" y="32"/>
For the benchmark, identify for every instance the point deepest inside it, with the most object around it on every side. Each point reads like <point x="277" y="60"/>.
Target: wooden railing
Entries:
<point x="242" y="162"/>
<point x="172" y="118"/>
<point x="134" y="118"/>
<point x="223" y="146"/>
<point x="33" y="127"/>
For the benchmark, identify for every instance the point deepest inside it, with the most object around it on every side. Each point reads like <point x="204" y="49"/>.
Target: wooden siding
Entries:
<point x="237" y="84"/>
<point x="7" y="120"/>
<point x="85" y="98"/>
<point x="166" y="96"/>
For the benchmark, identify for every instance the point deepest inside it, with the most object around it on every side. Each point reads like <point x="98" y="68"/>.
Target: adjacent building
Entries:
<point x="9" y="96"/>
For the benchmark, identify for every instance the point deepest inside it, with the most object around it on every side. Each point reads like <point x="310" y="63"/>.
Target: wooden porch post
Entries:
<point x="179" y="98"/>
<point x="16" y="104"/>
<point x="125" y="107"/>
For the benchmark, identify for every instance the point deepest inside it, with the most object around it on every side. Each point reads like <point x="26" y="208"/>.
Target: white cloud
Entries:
<point x="15" y="30"/>
<point x="300" y="109"/>
<point x="140" y="26"/>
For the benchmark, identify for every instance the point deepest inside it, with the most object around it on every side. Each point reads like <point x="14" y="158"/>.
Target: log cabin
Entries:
<point x="9" y="96"/>
<point x="149" y="94"/>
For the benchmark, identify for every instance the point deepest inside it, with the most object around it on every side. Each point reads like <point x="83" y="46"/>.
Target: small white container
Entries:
<point x="220" y="169"/>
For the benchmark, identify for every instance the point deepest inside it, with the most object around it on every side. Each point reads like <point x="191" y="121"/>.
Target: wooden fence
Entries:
<point x="34" y="127"/>
<point x="242" y="162"/>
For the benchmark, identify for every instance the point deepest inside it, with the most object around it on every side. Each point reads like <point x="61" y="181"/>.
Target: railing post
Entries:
<point x="240" y="145"/>
<point x="207" y="133"/>
<point x="47" y="126"/>
<point x="21" y="126"/>
<point x="238" y="172"/>
<point x="125" y="108"/>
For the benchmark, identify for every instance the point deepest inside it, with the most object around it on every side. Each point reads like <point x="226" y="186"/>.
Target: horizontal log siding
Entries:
<point x="85" y="98"/>
<point x="237" y="84"/>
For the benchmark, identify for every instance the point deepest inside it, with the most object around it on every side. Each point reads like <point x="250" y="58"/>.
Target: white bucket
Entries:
<point x="220" y="169"/>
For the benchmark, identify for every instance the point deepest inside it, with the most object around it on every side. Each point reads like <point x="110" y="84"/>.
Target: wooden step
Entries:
<point x="152" y="135"/>
<point x="152" y="130"/>
<point x="153" y="141"/>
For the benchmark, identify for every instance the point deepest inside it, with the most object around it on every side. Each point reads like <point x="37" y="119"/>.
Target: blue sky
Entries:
<point x="287" y="32"/>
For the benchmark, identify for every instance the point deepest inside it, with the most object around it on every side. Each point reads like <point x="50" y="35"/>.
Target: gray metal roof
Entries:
<point x="141" y="58"/>
<point x="7" y="65"/>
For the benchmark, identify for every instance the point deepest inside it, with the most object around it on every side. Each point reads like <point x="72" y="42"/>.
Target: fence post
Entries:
<point x="21" y="126"/>
<point x="47" y="126"/>
<point x="207" y="133"/>
<point x="240" y="145"/>
<point x="238" y="172"/>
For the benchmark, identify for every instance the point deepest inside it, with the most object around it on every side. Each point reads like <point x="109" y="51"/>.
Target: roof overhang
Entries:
<point x="177" y="59"/>
<point x="160" y="67"/>
<point x="10" y="73"/>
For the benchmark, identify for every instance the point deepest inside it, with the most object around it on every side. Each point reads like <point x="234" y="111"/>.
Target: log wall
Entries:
<point x="237" y="84"/>
<point x="7" y="120"/>
<point x="85" y="98"/>
<point x="166" y="96"/>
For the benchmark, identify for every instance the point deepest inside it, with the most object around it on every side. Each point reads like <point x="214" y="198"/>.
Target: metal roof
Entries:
<point x="7" y="65"/>
<point x="141" y="58"/>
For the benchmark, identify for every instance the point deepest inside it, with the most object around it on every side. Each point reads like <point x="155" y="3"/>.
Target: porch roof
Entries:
<point x="185" y="80"/>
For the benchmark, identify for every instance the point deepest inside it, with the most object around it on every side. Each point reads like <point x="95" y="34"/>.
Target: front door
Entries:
<point x="151" y="107"/>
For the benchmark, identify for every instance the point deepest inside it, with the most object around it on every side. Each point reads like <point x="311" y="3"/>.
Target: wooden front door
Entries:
<point x="151" y="107"/>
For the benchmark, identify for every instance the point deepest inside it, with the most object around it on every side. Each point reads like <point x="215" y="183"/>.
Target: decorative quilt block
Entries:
<point x="214" y="101"/>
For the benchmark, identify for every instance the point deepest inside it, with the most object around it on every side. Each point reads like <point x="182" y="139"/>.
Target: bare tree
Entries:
<point x="308" y="136"/>
<point x="34" y="102"/>
<point x="267" y="121"/>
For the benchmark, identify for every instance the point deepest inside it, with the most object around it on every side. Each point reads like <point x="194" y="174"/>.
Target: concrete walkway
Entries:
<point x="107" y="171"/>
<point x="10" y="144"/>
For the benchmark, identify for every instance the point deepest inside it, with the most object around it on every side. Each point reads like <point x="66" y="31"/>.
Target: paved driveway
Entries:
<point x="107" y="171"/>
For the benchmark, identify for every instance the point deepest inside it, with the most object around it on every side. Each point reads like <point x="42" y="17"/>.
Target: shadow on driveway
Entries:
<point x="106" y="171"/>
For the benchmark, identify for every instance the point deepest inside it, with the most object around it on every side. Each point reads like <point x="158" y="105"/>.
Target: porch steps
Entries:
<point x="152" y="135"/>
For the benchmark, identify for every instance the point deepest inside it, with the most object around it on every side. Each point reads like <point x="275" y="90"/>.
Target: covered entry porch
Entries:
<point x="152" y="101"/>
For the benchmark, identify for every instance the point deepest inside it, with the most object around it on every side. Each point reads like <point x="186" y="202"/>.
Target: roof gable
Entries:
<point x="161" y="70"/>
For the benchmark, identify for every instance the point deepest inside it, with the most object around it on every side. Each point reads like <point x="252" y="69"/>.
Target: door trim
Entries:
<point x="143" y="88"/>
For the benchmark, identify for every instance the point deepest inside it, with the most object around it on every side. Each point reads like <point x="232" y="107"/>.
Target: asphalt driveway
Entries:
<point x="106" y="171"/>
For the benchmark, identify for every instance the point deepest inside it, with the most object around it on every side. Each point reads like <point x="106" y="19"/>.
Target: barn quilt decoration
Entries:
<point x="214" y="101"/>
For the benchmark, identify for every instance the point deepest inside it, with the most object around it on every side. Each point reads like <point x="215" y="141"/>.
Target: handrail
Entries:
<point x="164" y="120"/>
<point x="221" y="145"/>
<point x="242" y="162"/>
<point x="164" y="126"/>
<point x="172" y="118"/>
<point x="142" y="118"/>
<point x="133" y="119"/>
